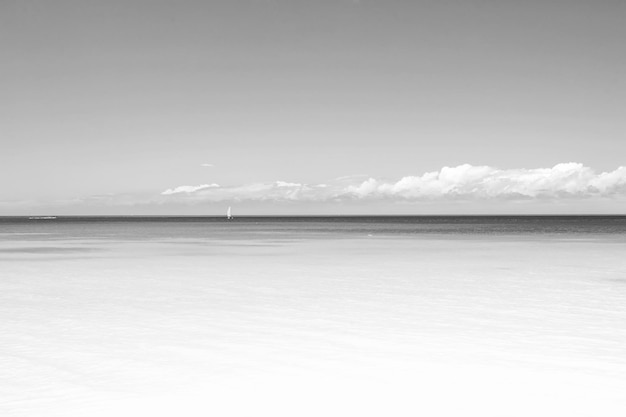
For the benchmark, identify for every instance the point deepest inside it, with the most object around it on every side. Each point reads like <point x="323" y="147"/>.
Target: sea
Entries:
<point x="313" y="316"/>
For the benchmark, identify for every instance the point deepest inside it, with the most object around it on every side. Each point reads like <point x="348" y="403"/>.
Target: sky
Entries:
<point x="312" y="107"/>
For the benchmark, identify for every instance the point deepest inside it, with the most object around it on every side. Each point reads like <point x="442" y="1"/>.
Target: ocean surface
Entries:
<point x="398" y="315"/>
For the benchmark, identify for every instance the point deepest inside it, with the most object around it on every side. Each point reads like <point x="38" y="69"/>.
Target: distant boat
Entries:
<point x="42" y="218"/>
<point x="228" y="215"/>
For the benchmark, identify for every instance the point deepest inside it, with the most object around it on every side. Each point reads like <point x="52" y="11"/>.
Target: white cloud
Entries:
<point x="483" y="182"/>
<point x="287" y="184"/>
<point x="482" y="185"/>
<point x="206" y="165"/>
<point x="188" y="189"/>
<point x="563" y="181"/>
<point x="275" y="191"/>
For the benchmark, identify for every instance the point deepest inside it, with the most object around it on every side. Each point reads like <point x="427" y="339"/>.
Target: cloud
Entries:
<point x="568" y="180"/>
<point x="287" y="184"/>
<point x="463" y="182"/>
<point x="472" y="186"/>
<point x="206" y="165"/>
<point x="188" y="189"/>
<point x="275" y="191"/>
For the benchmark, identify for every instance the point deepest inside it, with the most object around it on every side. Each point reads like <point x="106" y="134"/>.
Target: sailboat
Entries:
<point x="228" y="215"/>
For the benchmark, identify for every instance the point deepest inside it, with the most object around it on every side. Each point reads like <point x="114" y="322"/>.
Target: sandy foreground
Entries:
<point x="343" y="326"/>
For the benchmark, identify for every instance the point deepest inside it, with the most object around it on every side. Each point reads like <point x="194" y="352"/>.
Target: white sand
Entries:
<point x="367" y="326"/>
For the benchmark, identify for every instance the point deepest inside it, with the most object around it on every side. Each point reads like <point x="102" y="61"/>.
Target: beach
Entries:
<point x="322" y="318"/>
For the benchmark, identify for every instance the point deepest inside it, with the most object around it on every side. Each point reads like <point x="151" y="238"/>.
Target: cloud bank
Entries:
<point x="563" y="181"/>
<point x="188" y="189"/>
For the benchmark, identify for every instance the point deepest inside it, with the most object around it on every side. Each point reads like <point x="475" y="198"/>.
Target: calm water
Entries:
<point x="346" y="315"/>
<point x="23" y="228"/>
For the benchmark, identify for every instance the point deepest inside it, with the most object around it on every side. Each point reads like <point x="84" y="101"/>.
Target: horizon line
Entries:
<point x="56" y="216"/>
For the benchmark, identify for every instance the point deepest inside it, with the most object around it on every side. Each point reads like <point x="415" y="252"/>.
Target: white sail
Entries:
<point x="228" y="215"/>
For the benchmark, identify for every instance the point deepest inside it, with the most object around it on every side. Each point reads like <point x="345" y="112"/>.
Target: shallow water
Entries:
<point x="480" y="316"/>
